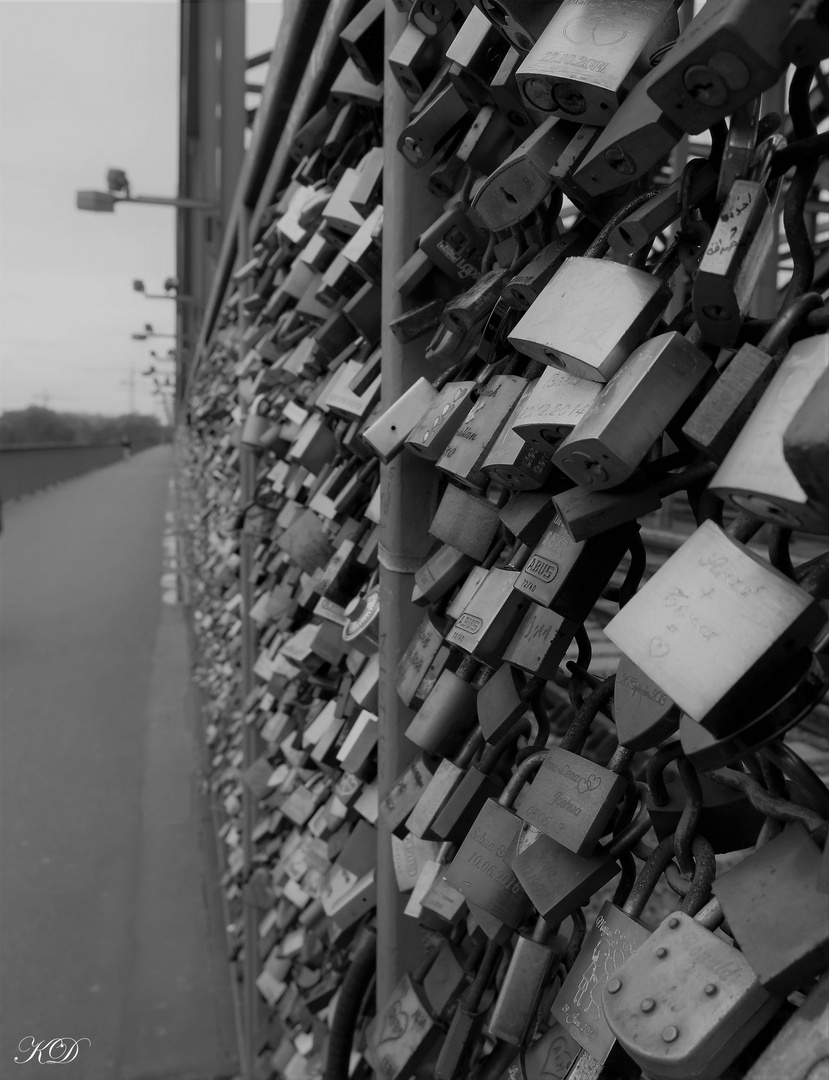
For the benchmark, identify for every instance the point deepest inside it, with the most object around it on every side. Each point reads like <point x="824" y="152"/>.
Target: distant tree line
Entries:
<point x="40" y="425"/>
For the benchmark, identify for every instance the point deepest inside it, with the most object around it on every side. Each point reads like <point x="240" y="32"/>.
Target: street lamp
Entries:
<point x="118" y="191"/>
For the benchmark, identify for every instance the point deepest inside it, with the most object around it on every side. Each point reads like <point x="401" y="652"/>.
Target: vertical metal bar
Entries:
<point x="407" y="502"/>
<point x="249" y="749"/>
<point x="766" y="298"/>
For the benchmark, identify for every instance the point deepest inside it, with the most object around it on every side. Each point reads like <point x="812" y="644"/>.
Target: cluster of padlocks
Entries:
<point x="565" y="395"/>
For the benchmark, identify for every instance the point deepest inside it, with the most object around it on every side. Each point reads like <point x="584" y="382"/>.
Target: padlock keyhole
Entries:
<point x="509" y="197"/>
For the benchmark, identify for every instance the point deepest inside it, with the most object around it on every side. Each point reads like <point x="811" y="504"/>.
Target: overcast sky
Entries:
<point x="85" y="85"/>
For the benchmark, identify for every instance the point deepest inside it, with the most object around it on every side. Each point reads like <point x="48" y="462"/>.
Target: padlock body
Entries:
<point x="515" y="1007"/>
<point x="396" y="806"/>
<point x="578" y="1008"/>
<point x="463" y="805"/>
<point x="555" y="404"/>
<point x="756" y="896"/>
<point x="572" y="800"/>
<point x="440" y="573"/>
<point x="707" y="1002"/>
<point x="434" y="431"/>
<point x="479" y="869"/>
<point x="540" y="642"/>
<point x="402" y="1033"/>
<point x="500" y="703"/>
<point x="490" y="617"/>
<point x="463" y="457"/>
<point x="419" y="654"/>
<point x="645" y="716"/>
<point x="445" y="717"/>
<point x="590" y="317"/>
<point x="466" y="522"/>
<point x="446" y="778"/>
<point x="556" y="880"/>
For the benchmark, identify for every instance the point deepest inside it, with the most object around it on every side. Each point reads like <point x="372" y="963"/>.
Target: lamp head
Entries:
<point x="138" y="285"/>
<point x="99" y="201"/>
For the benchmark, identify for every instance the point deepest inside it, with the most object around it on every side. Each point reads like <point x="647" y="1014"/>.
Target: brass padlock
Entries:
<point x="526" y="286"/>
<point x="644" y="223"/>
<point x="682" y="622"/>
<point x="532" y="961"/>
<point x="444" y="781"/>
<point x="467" y="1022"/>
<point x="517" y="464"/>
<point x="550" y="1057"/>
<point x="540" y="642"/>
<point x="727" y="55"/>
<point x="441" y="572"/>
<point x="784" y="953"/>
<point x="454" y="245"/>
<point x="482" y="146"/>
<point x="553" y="407"/>
<point x="435" y="120"/>
<point x="638" y="138"/>
<point x="490" y="617"/>
<point x="402" y="1033"/>
<point x="520" y="21"/>
<point x="618" y="429"/>
<point x="644" y="714"/>
<point x="387" y="434"/>
<point x="805" y="443"/>
<point x="419" y="654"/>
<point x="806" y="41"/>
<point x="754" y="474"/>
<point x="686" y="1003"/>
<point x="363" y="40"/>
<point x="590" y="55"/>
<point x="463" y="458"/>
<point x="572" y="799"/>
<point x="415" y="59"/>
<point x="466" y="522"/>
<point x="591" y="315"/>
<point x="433" y="433"/>
<point x="526" y="515"/>
<point x="479" y="870"/>
<point x="569" y="576"/>
<point x="448" y="711"/>
<point x="507" y="96"/>
<point x="475" y="54"/>
<point x="396" y="806"/>
<point x="433" y="16"/>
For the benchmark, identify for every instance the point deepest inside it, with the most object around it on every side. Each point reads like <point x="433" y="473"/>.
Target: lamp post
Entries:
<point x="148" y="332"/>
<point x="170" y="285"/>
<point x="118" y="191"/>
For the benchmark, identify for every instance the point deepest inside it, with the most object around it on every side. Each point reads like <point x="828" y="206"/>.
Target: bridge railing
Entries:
<point x="28" y="467"/>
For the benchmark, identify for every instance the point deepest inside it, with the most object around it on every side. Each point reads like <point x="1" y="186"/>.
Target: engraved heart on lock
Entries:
<point x="595" y="29"/>
<point x="395" y="1024"/>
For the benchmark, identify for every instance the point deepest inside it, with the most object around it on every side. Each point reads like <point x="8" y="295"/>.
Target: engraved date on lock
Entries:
<point x="495" y="873"/>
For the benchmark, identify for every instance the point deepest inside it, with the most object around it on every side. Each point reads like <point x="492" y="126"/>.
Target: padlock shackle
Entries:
<point x="793" y="765"/>
<point x="711" y="915"/>
<point x="655" y="772"/>
<point x="577" y="936"/>
<point x="599" y="247"/>
<point x="648" y="878"/>
<point x="633" y="832"/>
<point x="473" y="743"/>
<point x="704" y="872"/>
<point x="467" y="669"/>
<point x="743" y="527"/>
<point x="493" y="753"/>
<point x="576" y="735"/>
<point x="770" y="805"/>
<point x="636" y="570"/>
<point x="788" y="320"/>
<point x="685" y="835"/>
<point x="528" y="768"/>
<point x="476" y="990"/>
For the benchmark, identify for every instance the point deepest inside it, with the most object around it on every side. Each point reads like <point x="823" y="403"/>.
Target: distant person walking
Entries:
<point x="126" y="443"/>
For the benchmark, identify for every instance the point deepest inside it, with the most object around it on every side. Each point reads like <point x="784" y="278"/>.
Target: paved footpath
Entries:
<point x="110" y="925"/>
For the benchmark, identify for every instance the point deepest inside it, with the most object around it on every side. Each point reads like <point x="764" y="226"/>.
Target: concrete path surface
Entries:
<point x="110" y="921"/>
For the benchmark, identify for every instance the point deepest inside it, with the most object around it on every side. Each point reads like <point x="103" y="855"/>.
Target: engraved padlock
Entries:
<point x="591" y="315"/>
<point x="403" y="796"/>
<point x="682" y="622"/>
<point x="388" y="433"/>
<point x="540" y="642"/>
<point x="590" y="55"/>
<point x="754" y="474"/>
<point x="440" y="573"/>
<point x="432" y="434"/>
<point x="686" y="1003"/>
<point x="445" y="779"/>
<point x="490" y="617"/>
<point x="802" y="1045"/>
<point x="418" y="655"/>
<point x="618" y="429"/>
<point x="467" y="1022"/>
<point x="644" y="714"/>
<point x="553" y="407"/>
<point x="479" y="869"/>
<point x="402" y="1033"/>
<point x="517" y="464"/>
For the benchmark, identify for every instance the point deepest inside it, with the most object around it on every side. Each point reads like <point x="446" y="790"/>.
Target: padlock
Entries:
<point x="440" y="574"/>
<point x="526" y="515"/>
<point x="477" y="786"/>
<point x="388" y="433"/>
<point x="806" y="41"/>
<point x="519" y="465"/>
<point x="402" y="1033"/>
<point x="433" y="433"/>
<point x="591" y="315"/>
<point x="520" y="21"/>
<point x="682" y="619"/>
<point x="617" y="935"/>
<point x="754" y="475"/>
<point x="465" y="521"/>
<point x="522" y="181"/>
<point x="725" y="817"/>
<point x="482" y="145"/>
<point x="475" y="55"/>
<point x="454" y="245"/>
<point x="507" y="96"/>
<point x="687" y="1002"/>
<point x="616" y="432"/>
<point x="801" y="1048"/>
<point x="432" y="16"/>
<point x="361" y="632"/>
<point x="638" y="138"/>
<point x="553" y="407"/>
<point x="448" y="711"/>
<point x="490" y="617"/>
<point x="419" y="654"/>
<point x="396" y="806"/>
<point x="532" y="961"/>
<point x="363" y="40"/>
<point x="569" y="576"/>
<point x="737" y="250"/>
<point x="721" y="415"/>
<point x="434" y="121"/>
<point x="549" y="1058"/>
<point x="526" y="286"/>
<point x="644" y="714"/>
<point x="784" y="952"/>
<point x="463" y="458"/>
<point x="644" y="223"/>
<point x="479" y="869"/>
<point x="571" y="798"/>
<point x="367" y="192"/>
<point x="586" y="60"/>
<point x="725" y="56"/>
<point x="257" y="422"/>
<point x="445" y="779"/>
<point x="540" y="642"/>
<point x="805" y="443"/>
<point x="467" y="1022"/>
<point x="415" y="58"/>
